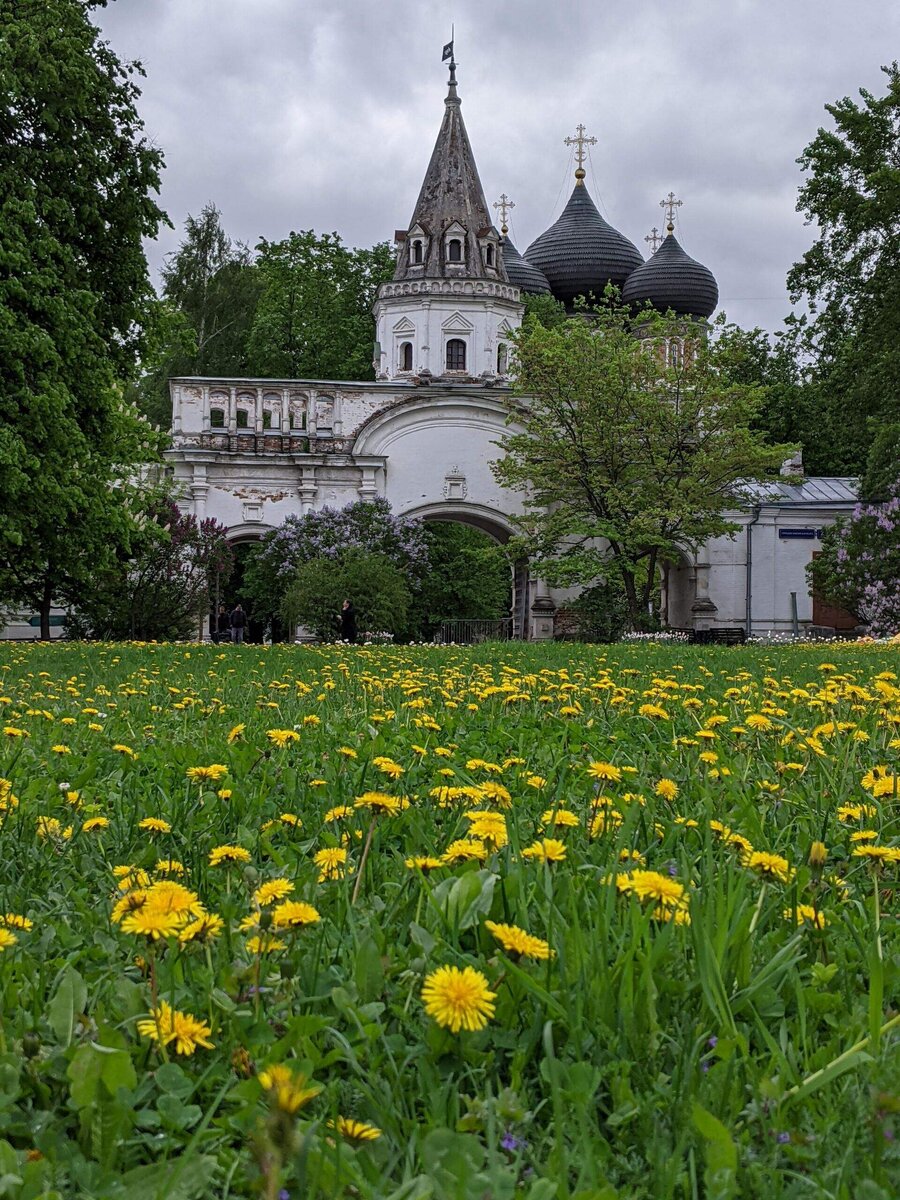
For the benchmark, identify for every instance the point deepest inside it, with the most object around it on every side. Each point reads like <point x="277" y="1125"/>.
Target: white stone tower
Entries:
<point x="450" y="307"/>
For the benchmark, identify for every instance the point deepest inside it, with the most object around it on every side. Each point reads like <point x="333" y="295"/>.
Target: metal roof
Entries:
<point x="816" y="489"/>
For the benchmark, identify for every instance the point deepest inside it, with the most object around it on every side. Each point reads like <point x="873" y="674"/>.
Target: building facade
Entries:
<point x="251" y="452"/>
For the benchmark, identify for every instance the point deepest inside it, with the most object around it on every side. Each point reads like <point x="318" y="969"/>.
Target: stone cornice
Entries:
<point x="476" y="289"/>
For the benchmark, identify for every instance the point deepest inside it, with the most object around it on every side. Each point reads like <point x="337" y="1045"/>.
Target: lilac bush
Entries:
<point x="859" y="567"/>
<point x="367" y="525"/>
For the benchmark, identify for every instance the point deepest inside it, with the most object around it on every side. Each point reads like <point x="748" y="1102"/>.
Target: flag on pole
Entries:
<point x="448" y="52"/>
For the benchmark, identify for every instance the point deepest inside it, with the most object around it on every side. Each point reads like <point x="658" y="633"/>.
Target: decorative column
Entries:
<point x="337" y="415"/>
<point x="232" y="410"/>
<point x="259" y="410"/>
<point x="199" y="488"/>
<point x="368" y="488"/>
<point x="307" y="489"/>
<point x="176" y="410"/>
<point x="543" y="613"/>
<point x="285" y="410"/>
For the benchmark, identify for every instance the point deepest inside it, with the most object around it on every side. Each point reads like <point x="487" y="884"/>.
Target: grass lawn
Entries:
<point x="551" y="922"/>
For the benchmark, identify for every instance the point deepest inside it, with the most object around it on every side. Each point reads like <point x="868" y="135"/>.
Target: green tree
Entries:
<point x="314" y="318"/>
<point x="77" y="179"/>
<point x="468" y="577"/>
<point x="850" y="277"/>
<point x="201" y="325"/>
<point x="625" y="452"/>
<point x="376" y="586"/>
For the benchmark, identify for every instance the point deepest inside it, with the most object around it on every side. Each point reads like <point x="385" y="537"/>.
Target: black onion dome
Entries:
<point x="581" y="253"/>
<point x="671" y="279"/>
<point x="522" y="274"/>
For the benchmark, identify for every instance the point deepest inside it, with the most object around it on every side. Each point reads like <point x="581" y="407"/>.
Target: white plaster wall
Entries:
<point x="480" y="313"/>
<point x="438" y="452"/>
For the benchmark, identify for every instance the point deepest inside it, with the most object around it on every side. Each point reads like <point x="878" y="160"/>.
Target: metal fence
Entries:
<point x="470" y="632"/>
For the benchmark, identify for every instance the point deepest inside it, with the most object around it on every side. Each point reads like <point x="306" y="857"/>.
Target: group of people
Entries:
<point x="230" y="626"/>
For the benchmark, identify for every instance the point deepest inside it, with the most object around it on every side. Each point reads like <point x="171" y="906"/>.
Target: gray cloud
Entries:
<point x="291" y="115"/>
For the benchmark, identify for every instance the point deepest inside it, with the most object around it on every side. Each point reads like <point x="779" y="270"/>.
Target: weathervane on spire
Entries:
<point x="503" y="205"/>
<point x="653" y="240"/>
<point x="670" y="204"/>
<point x="447" y="56"/>
<point x="580" y="141"/>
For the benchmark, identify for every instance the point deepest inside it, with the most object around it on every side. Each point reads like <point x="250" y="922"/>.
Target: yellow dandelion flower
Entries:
<point x="667" y="789"/>
<point x="355" y="1131"/>
<point x="546" y="850"/>
<point x="282" y="737"/>
<point x="264" y="944"/>
<point x="422" y="862"/>
<point x="805" y="914"/>
<point x="167" y="1025"/>
<point x="152" y="923"/>
<point x="93" y="824"/>
<point x="381" y="802"/>
<point x="7" y="939"/>
<point x="228" y="855"/>
<point x="16" y="921"/>
<point x="605" y="771"/>
<point x="339" y="813"/>
<point x="203" y="929"/>
<point x="769" y="866"/>
<point x="211" y="774"/>
<point x="294" y="914"/>
<point x="287" y="1091"/>
<point x="458" y="998"/>
<point x="332" y="863"/>
<point x="464" y="850"/>
<point x="155" y="825"/>
<point x="516" y="941"/>
<point x="562" y="818"/>
<point x="272" y="890"/>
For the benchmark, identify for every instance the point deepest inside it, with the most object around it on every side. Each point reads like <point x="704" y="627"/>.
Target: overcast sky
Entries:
<point x="321" y="114"/>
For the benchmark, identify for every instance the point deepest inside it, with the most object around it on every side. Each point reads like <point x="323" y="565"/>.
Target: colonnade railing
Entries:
<point x="469" y="632"/>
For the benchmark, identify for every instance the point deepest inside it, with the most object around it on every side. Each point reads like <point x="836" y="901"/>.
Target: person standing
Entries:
<point x="348" y="622"/>
<point x="238" y="622"/>
<point x="222" y="630"/>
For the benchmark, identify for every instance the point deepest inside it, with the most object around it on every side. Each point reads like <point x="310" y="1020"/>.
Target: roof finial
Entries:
<point x="448" y="55"/>
<point x="670" y="204"/>
<point x="653" y="240"/>
<point x="580" y="141"/>
<point x="503" y="205"/>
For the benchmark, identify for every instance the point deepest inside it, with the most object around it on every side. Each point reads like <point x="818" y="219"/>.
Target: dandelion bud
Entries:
<point x="817" y="856"/>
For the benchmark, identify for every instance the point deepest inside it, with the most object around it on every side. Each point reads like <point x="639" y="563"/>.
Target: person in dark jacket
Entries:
<point x="238" y="621"/>
<point x="222" y="631"/>
<point x="348" y="622"/>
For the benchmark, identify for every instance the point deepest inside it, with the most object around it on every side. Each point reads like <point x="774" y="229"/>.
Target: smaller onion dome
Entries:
<point x="671" y="279"/>
<point x="522" y="274"/>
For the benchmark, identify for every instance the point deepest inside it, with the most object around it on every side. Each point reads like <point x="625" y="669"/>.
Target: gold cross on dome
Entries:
<point x="670" y="204"/>
<point x="653" y="240"/>
<point x="503" y="205"/>
<point x="580" y="141"/>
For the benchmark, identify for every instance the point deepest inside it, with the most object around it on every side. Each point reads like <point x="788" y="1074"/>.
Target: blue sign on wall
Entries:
<point x="807" y="535"/>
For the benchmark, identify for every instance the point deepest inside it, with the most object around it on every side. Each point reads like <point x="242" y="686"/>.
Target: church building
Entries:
<point x="251" y="452"/>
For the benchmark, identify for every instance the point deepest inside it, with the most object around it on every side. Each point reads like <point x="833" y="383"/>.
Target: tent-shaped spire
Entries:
<point x="451" y="208"/>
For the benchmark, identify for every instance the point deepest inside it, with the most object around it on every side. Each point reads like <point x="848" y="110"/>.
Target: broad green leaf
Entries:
<point x="68" y="1003"/>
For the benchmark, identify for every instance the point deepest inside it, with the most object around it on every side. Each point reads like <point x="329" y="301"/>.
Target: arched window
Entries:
<point x="217" y="418"/>
<point x="454" y="250"/>
<point x="267" y="419"/>
<point x="456" y="354"/>
<point x="242" y="419"/>
<point x="674" y="353"/>
<point x="489" y="256"/>
<point x="406" y="356"/>
<point x="502" y="359"/>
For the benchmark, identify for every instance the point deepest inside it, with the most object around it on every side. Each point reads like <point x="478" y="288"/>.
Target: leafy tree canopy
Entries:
<point x="850" y="277"/>
<point x="77" y="179"/>
<point x="374" y="583"/>
<point x="314" y="318"/>
<point x="626" y="450"/>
